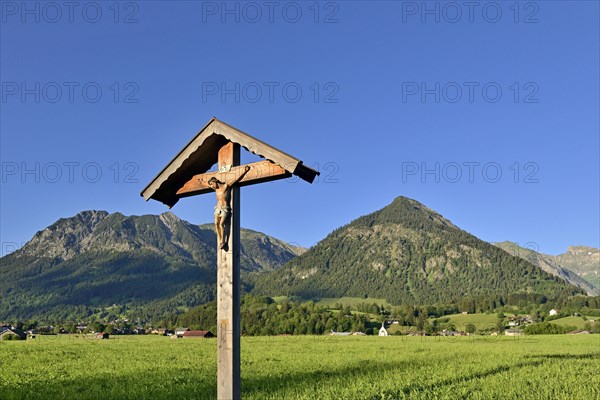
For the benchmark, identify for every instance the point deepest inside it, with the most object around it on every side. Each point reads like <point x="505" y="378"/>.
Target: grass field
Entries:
<point x="577" y="322"/>
<point x="305" y="367"/>
<point x="480" y="320"/>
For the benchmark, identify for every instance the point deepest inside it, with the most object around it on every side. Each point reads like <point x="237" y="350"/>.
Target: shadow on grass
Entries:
<point x="272" y="386"/>
<point x="567" y="356"/>
<point x="536" y="360"/>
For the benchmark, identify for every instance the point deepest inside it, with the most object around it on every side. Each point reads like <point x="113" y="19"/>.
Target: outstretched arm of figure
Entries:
<point x="239" y="178"/>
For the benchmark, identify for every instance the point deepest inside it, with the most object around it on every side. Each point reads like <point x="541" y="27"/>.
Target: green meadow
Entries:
<point x="305" y="367"/>
<point x="577" y="322"/>
<point x="480" y="320"/>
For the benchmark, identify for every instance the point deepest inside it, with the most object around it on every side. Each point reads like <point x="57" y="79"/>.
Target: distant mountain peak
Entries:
<point x="92" y="213"/>
<point x="582" y="250"/>
<point x="405" y="212"/>
<point x="61" y="239"/>
<point x="97" y="258"/>
<point x="551" y="265"/>
<point x="169" y="219"/>
<point x="407" y="253"/>
<point x="582" y="260"/>
<point x="88" y="217"/>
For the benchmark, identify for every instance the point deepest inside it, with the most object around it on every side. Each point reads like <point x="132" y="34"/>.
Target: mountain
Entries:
<point x="584" y="261"/>
<point x="407" y="253"/>
<point x="97" y="259"/>
<point x="551" y="265"/>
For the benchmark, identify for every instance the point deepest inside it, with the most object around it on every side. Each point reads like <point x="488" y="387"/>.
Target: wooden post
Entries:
<point x="228" y="293"/>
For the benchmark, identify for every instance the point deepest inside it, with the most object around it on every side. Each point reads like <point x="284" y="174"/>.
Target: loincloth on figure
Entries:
<point x="222" y="211"/>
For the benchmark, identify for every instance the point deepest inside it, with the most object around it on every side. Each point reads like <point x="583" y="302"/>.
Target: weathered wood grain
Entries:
<point x="228" y="294"/>
<point x="262" y="171"/>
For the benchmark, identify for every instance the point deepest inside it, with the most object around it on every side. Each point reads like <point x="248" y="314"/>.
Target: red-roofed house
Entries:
<point x="197" y="334"/>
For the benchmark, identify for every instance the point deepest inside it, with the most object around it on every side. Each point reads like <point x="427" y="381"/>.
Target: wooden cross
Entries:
<point x="187" y="176"/>
<point x="228" y="263"/>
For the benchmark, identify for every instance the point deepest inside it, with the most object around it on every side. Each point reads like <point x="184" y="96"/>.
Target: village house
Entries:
<point x="579" y="332"/>
<point x="12" y="334"/>
<point x="31" y="333"/>
<point x="180" y="331"/>
<point x="334" y="333"/>
<point x="197" y="334"/>
<point x="519" y="320"/>
<point x="417" y="333"/>
<point x="123" y="331"/>
<point x="553" y="312"/>
<point x="527" y="319"/>
<point x="446" y="332"/>
<point x="159" y="331"/>
<point x="513" y="332"/>
<point x="101" y="335"/>
<point x="45" y="329"/>
<point x="383" y="331"/>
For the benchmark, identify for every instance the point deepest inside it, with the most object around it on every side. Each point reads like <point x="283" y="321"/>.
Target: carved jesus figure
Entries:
<point x="223" y="208"/>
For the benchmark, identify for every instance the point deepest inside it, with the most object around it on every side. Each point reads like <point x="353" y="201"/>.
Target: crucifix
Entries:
<point x="223" y="207"/>
<point x="187" y="175"/>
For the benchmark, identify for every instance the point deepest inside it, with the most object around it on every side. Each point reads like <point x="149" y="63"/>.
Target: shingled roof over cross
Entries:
<point x="177" y="180"/>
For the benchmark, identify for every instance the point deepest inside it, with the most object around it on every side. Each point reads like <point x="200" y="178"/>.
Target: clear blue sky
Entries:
<point x="385" y="98"/>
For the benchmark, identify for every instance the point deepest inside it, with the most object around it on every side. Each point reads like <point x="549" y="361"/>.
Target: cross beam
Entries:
<point x="262" y="171"/>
